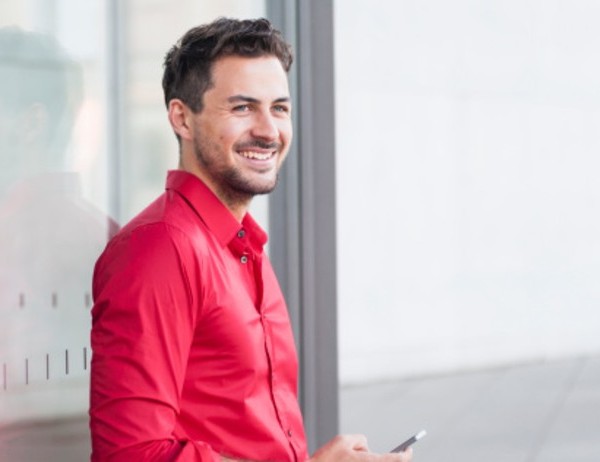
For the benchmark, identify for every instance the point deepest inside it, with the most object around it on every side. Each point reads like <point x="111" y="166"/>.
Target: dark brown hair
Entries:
<point x="188" y="64"/>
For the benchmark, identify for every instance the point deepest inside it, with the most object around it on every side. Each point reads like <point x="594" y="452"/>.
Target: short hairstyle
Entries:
<point x="188" y="64"/>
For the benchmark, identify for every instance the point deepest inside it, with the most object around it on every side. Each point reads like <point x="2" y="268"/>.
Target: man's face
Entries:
<point x="244" y="130"/>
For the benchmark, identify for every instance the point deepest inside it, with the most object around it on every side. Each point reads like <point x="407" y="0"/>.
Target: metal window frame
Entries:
<point x="115" y="117"/>
<point x="302" y="212"/>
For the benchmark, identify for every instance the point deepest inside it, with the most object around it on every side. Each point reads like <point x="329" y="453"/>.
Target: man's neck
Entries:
<point x="237" y="203"/>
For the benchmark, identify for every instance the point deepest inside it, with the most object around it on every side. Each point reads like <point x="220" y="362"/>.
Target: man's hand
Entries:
<point x="353" y="448"/>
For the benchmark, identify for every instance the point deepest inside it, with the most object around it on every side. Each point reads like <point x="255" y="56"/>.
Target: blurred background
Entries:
<point x="464" y="204"/>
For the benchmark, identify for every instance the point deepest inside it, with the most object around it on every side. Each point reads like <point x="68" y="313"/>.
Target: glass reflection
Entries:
<point x="49" y="235"/>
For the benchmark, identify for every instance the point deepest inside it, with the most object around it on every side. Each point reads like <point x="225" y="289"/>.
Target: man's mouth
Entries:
<point x="256" y="155"/>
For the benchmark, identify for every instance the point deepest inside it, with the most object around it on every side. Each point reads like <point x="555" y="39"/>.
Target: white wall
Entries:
<point x="468" y="151"/>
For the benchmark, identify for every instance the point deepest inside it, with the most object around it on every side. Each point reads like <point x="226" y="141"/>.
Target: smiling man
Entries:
<point x="194" y="358"/>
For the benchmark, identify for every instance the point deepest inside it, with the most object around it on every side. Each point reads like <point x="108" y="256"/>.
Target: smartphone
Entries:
<point x="413" y="439"/>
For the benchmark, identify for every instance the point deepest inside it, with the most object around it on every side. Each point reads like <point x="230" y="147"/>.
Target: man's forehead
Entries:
<point x="239" y="75"/>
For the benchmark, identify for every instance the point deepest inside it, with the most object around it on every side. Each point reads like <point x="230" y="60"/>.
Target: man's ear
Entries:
<point x="180" y="119"/>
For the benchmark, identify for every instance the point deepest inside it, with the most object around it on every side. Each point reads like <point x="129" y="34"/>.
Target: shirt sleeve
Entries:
<point x="142" y="329"/>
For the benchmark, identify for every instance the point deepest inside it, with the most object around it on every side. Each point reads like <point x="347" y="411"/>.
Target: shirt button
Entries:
<point x="241" y="233"/>
<point x="289" y="433"/>
<point x="244" y="259"/>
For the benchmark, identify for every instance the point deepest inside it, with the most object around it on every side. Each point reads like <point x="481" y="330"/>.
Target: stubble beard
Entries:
<point x="233" y="186"/>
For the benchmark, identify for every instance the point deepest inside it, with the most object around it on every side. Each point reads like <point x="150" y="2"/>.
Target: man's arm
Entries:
<point x="143" y="324"/>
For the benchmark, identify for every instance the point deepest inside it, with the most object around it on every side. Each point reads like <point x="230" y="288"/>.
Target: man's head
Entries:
<point x="228" y="99"/>
<point x="188" y="64"/>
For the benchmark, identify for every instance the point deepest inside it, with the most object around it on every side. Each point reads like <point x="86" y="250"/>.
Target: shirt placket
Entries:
<point x="254" y="261"/>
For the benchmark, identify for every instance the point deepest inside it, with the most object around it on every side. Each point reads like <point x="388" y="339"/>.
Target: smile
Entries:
<point x="256" y="155"/>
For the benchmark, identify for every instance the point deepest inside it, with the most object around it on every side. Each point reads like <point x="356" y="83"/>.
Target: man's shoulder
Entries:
<point x="166" y="230"/>
<point x="168" y="211"/>
<point x="168" y="217"/>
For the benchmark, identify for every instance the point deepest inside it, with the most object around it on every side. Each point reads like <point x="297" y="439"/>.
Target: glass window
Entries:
<point x="53" y="190"/>
<point x="84" y="145"/>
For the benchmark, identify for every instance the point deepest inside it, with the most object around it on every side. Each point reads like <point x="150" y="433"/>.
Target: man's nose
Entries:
<point x="265" y="127"/>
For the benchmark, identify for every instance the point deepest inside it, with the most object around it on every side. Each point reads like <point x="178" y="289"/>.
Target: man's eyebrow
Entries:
<point x="250" y="99"/>
<point x="242" y="98"/>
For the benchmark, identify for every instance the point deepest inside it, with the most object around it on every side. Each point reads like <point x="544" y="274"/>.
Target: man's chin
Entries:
<point x="257" y="188"/>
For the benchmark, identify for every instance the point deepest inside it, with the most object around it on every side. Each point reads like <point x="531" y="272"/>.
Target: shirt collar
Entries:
<point x="218" y="218"/>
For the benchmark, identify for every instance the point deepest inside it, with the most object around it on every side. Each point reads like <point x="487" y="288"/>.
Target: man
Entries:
<point x="193" y="352"/>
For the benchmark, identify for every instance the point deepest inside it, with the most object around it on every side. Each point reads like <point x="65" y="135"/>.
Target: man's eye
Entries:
<point x="241" y="108"/>
<point x="281" y="108"/>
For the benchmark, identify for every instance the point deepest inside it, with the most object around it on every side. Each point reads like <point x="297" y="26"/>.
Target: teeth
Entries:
<point x="256" y="155"/>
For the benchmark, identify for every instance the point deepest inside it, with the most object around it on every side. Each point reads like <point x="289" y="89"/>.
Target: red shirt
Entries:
<point x="193" y="353"/>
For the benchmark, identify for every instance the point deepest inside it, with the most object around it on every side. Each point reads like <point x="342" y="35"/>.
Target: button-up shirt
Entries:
<point x="193" y="353"/>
